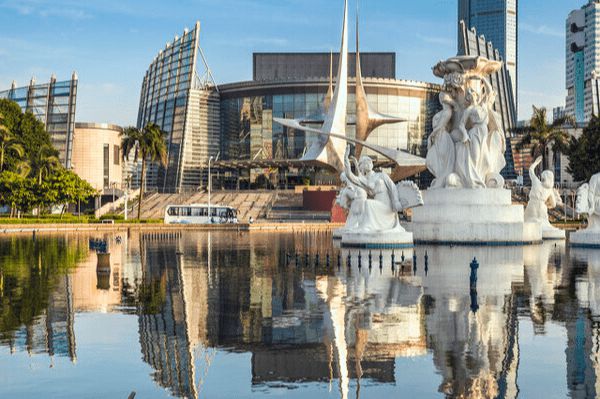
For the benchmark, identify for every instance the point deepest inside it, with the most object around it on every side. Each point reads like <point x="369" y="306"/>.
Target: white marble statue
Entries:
<point x="467" y="202"/>
<point x="466" y="147"/>
<point x="380" y="212"/>
<point x="542" y="197"/>
<point x="373" y="200"/>
<point x="588" y="202"/>
<point x="352" y="198"/>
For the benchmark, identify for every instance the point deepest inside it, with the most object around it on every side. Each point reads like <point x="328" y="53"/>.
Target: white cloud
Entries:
<point x="444" y="41"/>
<point x="541" y="30"/>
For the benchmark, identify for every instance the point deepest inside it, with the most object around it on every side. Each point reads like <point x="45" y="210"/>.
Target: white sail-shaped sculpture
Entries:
<point x="367" y="119"/>
<point x="329" y="149"/>
<point x="329" y="146"/>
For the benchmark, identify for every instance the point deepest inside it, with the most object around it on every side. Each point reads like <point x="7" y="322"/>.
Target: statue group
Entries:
<point x="466" y="147"/>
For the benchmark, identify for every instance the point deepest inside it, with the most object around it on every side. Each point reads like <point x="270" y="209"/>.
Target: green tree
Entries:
<point x="584" y="152"/>
<point x="66" y="187"/>
<point x="29" y="132"/>
<point x="541" y="135"/>
<point x="9" y="144"/>
<point x="148" y="144"/>
<point x="17" y="192"/>
<point x="44" y="161"/>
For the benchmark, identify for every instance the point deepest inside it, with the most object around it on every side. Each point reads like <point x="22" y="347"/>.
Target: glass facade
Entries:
<point x="249" y="133"/>
<point x="53" y="104"/>
<point x="173" y="98"/>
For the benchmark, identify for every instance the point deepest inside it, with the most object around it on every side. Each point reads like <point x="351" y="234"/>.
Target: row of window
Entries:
<point x="186" y="211"/>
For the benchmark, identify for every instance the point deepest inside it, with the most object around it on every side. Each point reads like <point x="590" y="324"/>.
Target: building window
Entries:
<point x="116" y="155"/>
<point x="106" y="166"/>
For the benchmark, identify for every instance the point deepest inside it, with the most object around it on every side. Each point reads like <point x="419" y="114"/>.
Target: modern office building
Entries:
<point x="53" y="103"/>
<point x="97" y="155"/>
<point x="186" y="107"/>
<point x="583" y="61"/>
<point x="497" y="20"/>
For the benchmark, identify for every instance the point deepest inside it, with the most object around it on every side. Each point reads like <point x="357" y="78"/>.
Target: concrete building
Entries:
<point x="558" y="112"/>
<point x="53" y="103"/>
<point x="583" y="62"/>
<point x="294" y="66"/>
<point x="97" y="155"/>
<point x="498" y="21"/>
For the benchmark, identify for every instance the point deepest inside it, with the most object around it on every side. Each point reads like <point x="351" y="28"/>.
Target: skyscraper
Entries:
<point x="583" y="61"/>
<point x="496" y="20"/>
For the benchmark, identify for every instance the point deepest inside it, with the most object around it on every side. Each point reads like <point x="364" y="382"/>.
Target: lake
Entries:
<point x="264" y="315"/>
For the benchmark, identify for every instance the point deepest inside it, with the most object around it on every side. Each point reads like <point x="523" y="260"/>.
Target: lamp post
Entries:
<point x="210" y="183"/>
<point x="209" y="188"/>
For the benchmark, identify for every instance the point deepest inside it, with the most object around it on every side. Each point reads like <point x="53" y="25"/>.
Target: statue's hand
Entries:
<point x="400" y="205"/>
<point x="347" y="153"/>
<point x="538" y="161"/>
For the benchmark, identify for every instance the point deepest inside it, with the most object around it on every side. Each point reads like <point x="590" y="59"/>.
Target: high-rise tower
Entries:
<point x="497" y="20"/>
<point x="583" y="62"/>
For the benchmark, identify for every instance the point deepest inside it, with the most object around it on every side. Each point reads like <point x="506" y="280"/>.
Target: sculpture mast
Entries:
<point x="367" y="120"/>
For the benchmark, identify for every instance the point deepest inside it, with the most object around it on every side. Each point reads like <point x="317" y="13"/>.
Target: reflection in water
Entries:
<point x="36" y="294"/>
<point x="343" y="323"/>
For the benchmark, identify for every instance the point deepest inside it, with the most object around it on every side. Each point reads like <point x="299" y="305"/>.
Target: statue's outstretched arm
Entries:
<point x="348" y="169"/>
<point x="532" y="175"/>
<point x="490" y="95"/>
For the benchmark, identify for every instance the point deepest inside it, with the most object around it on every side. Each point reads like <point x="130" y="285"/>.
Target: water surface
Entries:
<point x="221" y="315"/>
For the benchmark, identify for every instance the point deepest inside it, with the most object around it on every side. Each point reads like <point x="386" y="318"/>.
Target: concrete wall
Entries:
<point x="88" y="154"/>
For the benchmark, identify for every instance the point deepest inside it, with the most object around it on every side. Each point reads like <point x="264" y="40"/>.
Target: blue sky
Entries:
<point x="110" y="43"/>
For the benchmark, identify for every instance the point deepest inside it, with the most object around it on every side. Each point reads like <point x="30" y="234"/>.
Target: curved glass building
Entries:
<point x="234" y="122"/>
<point x="248" y="108"/>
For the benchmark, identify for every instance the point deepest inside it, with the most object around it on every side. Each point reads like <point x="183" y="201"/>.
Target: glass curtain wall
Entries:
<point x="53" y="104"/>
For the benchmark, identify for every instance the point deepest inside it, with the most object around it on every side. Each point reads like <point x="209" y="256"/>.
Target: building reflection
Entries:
<point x="582" y="319"/>
<point x="343" y="320"/>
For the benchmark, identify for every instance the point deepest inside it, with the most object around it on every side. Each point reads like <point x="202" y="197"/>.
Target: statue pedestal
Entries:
<point x="394" y="239"/>
<point x="585" y="239"/>
<point x="553" y="234"/>
<point x="472" y="217"/>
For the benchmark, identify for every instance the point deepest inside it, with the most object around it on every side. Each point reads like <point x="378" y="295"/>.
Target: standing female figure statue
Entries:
<point x="473" y="151"/>
<point x="440" y="146"/>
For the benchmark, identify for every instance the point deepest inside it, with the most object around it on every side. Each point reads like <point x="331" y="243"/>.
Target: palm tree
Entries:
<point x="540" y="135"/>
<point x="8" y="143"/>
<point x="148" y="144"/>
<point x="44" y="161"/>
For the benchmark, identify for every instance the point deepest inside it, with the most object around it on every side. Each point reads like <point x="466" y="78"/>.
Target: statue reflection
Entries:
<point x="475" y="348"/>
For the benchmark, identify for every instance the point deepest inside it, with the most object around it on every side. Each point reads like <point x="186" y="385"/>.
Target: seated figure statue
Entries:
<point x="542" y="197"/>
<point x="380" y="211"/>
